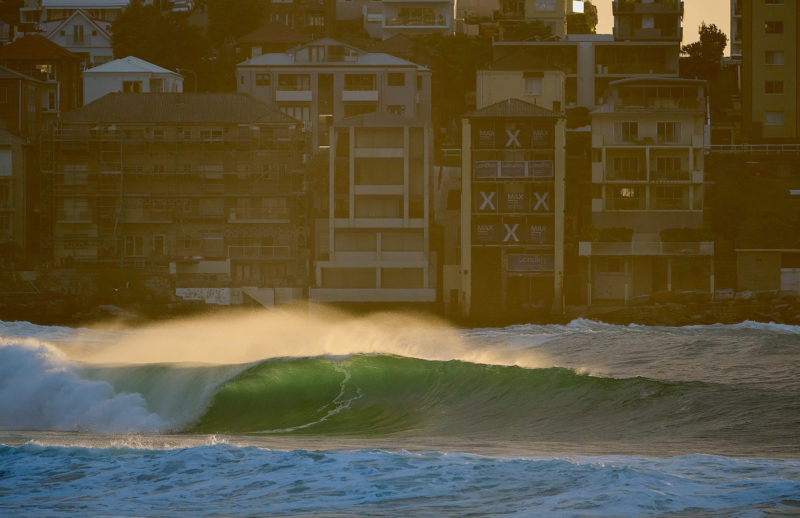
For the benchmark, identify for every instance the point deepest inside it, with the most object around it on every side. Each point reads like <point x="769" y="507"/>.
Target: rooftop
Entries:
<point x="186" y="108"/>
<point x="35" y="46"/>
<point x="511" y="108"/>
<point x="129" y="64"/>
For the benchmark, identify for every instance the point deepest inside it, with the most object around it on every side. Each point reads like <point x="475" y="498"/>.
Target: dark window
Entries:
<point x="262" y="79"/>
<point x="773" y="87"/>
<point x="773" y="27"/>
<point x="396" y="79"/>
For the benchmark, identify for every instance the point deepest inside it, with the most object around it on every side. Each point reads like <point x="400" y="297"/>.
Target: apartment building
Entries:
<point x="648" y="142"/>
<point x="313" y="17"/>
<point x="648" y="20"/>
<point x="373" y="247"/>
<point x="58" y="69"/>
<point x="205" y="186"/>
<point x="519" y="78"/>
<point x="131" y="75"/>
<point x="770" y="65"/>
<point x="387" y="18"/>
<point x="14" y="199"/>
<point x="326" y="81"/>
<point x="512" y="211"/>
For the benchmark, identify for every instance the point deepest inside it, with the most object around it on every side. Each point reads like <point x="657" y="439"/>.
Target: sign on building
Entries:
<point x="530" y="262"/>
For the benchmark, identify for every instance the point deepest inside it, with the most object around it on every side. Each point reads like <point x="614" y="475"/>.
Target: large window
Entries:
<point x="627" y="197"/>
<point x="416" y="16"/>
<point x="773" y="87"/>
<point x="533" y="85"/>
<point x="359" y="82"/>
<point x="773" y="57"/>
<point x="132" y="86"/>
<point x="773" y="118"/>
<point x="670" y="197"/>
<point x="297" y="111"/>
<point x="773" y="27"/>
<point x="626" y="168"/>
<point x="294" y="82"/>
<point x="545" y="5"/>
<point x="262" y="79"/>
<point x="627" y="131"/>
<point x="669" y="132"/>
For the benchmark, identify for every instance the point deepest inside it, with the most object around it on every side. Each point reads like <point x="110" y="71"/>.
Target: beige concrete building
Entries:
<point x="648" y="20"/>
<point x="326" y="81"/>
<point x="770" y="66"/>
<point x="207" y="187"/>
<point x="512" y="211"/>
<point x="374" y="245"/>
<point x="520" y="80"/>
<point x="648" y="141"/>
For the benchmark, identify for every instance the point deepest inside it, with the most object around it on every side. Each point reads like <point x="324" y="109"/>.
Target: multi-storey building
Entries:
<point x="14" y="200"/>
<point x="374" y="245"/>
<point x="314" y="17"/>
<point x="325" y="81"/>
<point x="384" y="19"/>
<point x="207" y="185"/>
<point x="520" y="80"/>
<point x="648" y="144"/>
<point x="770" y="66"/>
<point x="648" y="20"/>
<point x="512" y="210"/>
<point x="54" y="66"/>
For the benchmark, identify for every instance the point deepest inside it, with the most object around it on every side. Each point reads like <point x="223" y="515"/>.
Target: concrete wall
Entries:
<point x="758" y="270"/>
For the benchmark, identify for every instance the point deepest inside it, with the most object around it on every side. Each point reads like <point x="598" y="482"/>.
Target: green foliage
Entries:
<point x="166" y="39"/>
<point x="583" y="23"/>
<point x="534" y="30"/>
<point x="230" y="19"/>
<point x="704" y="57"/>
<point x="454" y="61"/>
<point x="9" y="10"/>
<point x="686" y="235"/>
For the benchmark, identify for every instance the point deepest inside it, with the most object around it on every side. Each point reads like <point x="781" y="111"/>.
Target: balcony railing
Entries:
<point x="646" y="248"/>
<point x="258" y="252"/>
<point x="669" y="175"/>
<point x="259" y="214"/>
<point x="635" y="176"/>
<point x="83" y="216"/>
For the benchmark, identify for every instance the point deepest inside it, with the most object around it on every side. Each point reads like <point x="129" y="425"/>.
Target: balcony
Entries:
<point x="360" y="95"/>
<point x="259" y="215"/>
<point x="670" y="175"/>
<point x="293" y="95"/>
<point x="658" y="103"/>
<point x="651" y="248"/>
<point x="83" y="216"/>
<point x="258" y="252"/>
<point x="657" y="7"/>
<point x="146" y="216"/>
<point x="626" y="176"/>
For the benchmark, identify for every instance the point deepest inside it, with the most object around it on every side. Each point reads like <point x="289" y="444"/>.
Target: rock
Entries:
<point x="745" y="295"/>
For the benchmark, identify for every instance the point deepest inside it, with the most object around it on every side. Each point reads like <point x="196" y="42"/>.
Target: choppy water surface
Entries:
<point x="281" y="414"/>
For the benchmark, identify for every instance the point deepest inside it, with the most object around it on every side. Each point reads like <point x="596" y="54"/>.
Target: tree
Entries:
<point x="9" y="10"/>
<point x="704" y="57"/>
<point x="230" y="19"/>
<point x="583" y="23"/>
<point x="166" y="39"/>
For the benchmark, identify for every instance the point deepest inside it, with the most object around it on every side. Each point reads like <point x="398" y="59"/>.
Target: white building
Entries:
<point x="374" y="245"/>
<point x="129" y="74"/>
<point x="83" y="35"/>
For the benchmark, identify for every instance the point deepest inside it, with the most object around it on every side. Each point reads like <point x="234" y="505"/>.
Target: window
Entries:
<point x="262" y="79"/>
<point x="773" y="118"/>
<point x="669" y="132"/>
<point x="773" y="87"/>
<point x="159" y="245"/>
<point x="77" y="33"/>
<point x="420" y="16"/>
<point x="773" y="57"/>
<point x="359" y="82"/>
<point x="156" y="85"/>
<point x="297" y="111"/>
<point x="545" y="5"/>
<point x="670" y="197"/>
<point x="241" y="80"/>
<point x="773" y="27"/>
<point x="627" y="131"/>
<point x="316" y="20"/>
<point x="294" y="82"/>
<point x="397" y="109"/>
<point x="132" y="86"/>
<point x="626" y="168"/>
<point x="397" y="79"/>
<point x="609" y="265"/>
<point x="625" y="198"/>
<point x="133" y="246"/>
<point x="533" y="85"/>
<point x="354" y="109"/>
<point x="419" y="82"/>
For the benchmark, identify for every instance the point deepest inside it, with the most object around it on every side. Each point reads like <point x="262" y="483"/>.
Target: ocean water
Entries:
<point x="287" y="414"/>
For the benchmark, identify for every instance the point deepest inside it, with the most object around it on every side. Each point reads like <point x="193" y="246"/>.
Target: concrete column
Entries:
<point x="711" y="278"/>
<point x="406" y="166"/>
<point x="352" y="166"/>
<point x="466" y="218"/>
<point x="669" y="274"/>
<point x="589" y="281"/>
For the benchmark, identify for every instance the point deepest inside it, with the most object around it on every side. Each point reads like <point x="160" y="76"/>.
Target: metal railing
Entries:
<point x="587" y="248"/>
<point x="258" y="214"/>
<point x="755" y="148"/>
<point x="258" y="252"/>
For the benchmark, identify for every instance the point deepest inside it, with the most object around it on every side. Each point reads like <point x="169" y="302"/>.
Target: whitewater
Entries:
<point x="292" y="413"/>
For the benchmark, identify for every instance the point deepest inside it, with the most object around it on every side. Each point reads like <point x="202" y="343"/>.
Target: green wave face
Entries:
<point x="382" y="395"/>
